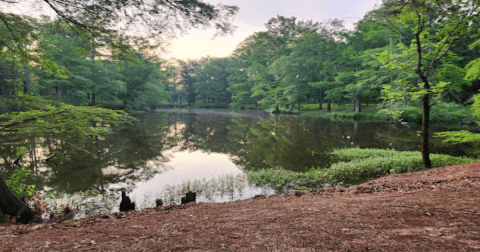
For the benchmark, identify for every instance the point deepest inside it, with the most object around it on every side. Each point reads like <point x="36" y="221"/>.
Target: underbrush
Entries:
<point x="347" y="116"/>
<point x="449" y="113"/>
<point x="351" y="166"/>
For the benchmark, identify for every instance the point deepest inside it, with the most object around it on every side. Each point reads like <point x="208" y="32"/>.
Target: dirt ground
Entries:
<point x="432" y="210"/>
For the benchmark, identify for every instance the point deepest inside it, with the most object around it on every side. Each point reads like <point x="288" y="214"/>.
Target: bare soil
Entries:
<point x="432" y="210"/>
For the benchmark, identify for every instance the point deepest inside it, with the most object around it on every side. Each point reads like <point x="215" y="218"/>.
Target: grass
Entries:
<point x="343" y="112"/>
<point x="90" y="202"/>
<point x="351" y="166"/>
<point x="233" y="187"/>
<point x="344" y="108"/>
<point x="207" y="190"/>
<point x="444" y="112"/>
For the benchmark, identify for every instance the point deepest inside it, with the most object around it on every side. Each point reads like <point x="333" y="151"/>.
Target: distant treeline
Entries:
<point x="292" y="63"/>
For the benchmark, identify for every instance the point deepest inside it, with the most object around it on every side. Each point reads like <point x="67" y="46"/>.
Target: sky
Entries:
<point x="252" y="16"/>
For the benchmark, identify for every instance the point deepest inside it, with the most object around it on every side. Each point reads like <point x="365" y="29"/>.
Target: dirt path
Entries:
<point x="433" y="210"/>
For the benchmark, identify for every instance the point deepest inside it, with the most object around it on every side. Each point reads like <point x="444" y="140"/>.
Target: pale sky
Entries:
<point x="254" y="14"/>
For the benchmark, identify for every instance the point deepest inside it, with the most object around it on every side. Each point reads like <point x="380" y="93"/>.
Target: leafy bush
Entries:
<point x="351" y="166"/>
<point x="450" y="112"/>
<point x="347" y="155"/>
<point x="374" y="167"/>
<point x="310" y="107"/>
<point x="404" y="113"/>
<point x="442" y="112"/>
<point x="17" y="183"/>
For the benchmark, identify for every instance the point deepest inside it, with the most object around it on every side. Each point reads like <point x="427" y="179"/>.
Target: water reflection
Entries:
<point x="172" y="146"/>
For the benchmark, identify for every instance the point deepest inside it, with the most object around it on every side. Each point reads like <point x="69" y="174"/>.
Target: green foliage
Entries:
<point x="366" y="168"/>
<point x="211" y="82"/>
<point x="457" y="137"/>
<point x="357" y="164"/>
<point x="402" y="113"/>
<point x="351" y="166"/>
<point x="145" y="84"/>
<point x="18" y="183"/>
<point x="285" y="180"/>
<point x="18" y="34"/>
<point x="58" y="118"/>
<point x="450" y="112"/>
<point x="347" y="155"/>
<point x="210" y="190"/>
<point x="444" y="112"/>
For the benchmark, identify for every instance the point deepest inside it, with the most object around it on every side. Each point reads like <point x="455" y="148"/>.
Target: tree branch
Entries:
<point x="32" y="119"/>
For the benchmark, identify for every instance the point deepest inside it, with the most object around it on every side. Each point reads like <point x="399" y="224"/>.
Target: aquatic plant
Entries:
<point x="212" y="190"/>
<point x="350" y="166"/>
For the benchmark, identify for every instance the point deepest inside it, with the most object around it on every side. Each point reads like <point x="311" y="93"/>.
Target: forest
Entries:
<point x="415" y="61"/>
<point x="291" y="63"/>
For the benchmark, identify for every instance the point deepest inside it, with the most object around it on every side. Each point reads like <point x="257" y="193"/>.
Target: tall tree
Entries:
<point x="187" y="79"/>
<point x="140" y="24"/>
<point x="263" y="48"/>
<point x="54" y="118"/>
<point x="145" y="83"/>
<point x="436" y="27"/>
<point x="211" y="82"/>
<point x="143" y="25"/>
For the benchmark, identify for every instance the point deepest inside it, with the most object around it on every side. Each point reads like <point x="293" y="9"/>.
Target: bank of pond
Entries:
<point x="221" y="155"/>
<point x="446" y="113"/>
<point x="349" y="167"/>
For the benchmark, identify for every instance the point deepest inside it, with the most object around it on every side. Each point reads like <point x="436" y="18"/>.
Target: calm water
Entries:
<point x="153" y="157"/>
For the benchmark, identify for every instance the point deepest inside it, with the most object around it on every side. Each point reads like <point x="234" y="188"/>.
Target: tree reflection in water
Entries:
<point x="252" y="140"/>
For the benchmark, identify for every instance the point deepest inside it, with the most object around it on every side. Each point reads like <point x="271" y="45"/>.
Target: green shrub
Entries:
<point x="17" y="183"/>
<point x="374" y="167"/>
<point x="351" y="166"/>
<point x="310" y="107"/>
<point x="450" y="112"/>
<point x="442" y="112"/>
<point x="347" y="155"/>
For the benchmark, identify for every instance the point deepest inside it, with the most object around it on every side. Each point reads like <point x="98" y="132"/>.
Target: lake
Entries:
<point x="170" y="151"/>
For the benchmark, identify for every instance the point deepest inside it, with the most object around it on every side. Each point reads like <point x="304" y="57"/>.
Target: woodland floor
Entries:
<point x="432" y="210"/>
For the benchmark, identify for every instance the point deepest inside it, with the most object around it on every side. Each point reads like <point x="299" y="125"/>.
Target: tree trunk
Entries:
<point x="358" y="108"/>
<point x="26" y="82"/>
<point x="320" y="100"/>
<point x="425" y="100"/>
<point x="93" y="70"/>
<point x="93" y="99"/>
<point x="329" y="105"/>
<point x="425" y="125"/>
<point x="12" y="206"/>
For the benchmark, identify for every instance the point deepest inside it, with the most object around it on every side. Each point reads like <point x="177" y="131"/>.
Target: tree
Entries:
<point x="239" y="84"/>
<point x="187" y="81"/>
<point x="70" y="52"/>
<point x="145" y="83"/>
<point x="117" y="24"/>
<point x="436" y="27"/>
<point x="143" y="25"/>
<point x="54" y="118"/>
<point x="211" y="82"/>
<point x="261" y="50"/>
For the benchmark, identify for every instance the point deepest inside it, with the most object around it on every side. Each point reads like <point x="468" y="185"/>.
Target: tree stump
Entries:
<point x="159" y="202"/>
<point x="126" y="204"/>
<point x="190" y="197"/>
